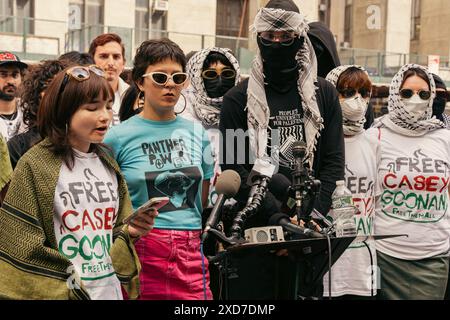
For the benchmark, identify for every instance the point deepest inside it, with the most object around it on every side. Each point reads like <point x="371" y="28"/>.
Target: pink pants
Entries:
<point x="172" y="266"/>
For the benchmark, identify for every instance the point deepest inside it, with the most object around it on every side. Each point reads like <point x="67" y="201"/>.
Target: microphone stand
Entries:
<point x="304" y="186"/>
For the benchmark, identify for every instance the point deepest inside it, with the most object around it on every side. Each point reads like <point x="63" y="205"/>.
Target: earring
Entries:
<point x="67" y="129"/>
<point x="185" y="105"/>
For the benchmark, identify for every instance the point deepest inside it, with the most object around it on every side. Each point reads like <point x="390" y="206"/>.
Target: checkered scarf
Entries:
<point x="350" y="127"/>
<point x="258" y="110"/>
<point x="398" y="119"/>
<point x="207" y="109"/>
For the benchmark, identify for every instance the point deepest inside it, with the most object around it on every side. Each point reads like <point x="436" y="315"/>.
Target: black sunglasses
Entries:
<point x="408" y="93"/>
<point x="350" y="92"/>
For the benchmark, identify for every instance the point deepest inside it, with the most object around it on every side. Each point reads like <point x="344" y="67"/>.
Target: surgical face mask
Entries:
<point x="416" y="107"/>
<point x="354" y="109"/>
<point x="216" y="88"/>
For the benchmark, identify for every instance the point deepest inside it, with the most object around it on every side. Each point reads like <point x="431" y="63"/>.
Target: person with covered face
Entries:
<point x="282" y="102"/>
<point x="414" y="177"/>
<point x="440" y="102"/>
<point x="352" y="273"/>
<point x="213" y="72"/>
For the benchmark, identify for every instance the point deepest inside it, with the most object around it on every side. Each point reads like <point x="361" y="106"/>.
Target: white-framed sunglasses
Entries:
<point x="162" y="78"/>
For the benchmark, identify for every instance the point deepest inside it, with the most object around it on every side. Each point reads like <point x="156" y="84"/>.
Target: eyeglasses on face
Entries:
<point x="408" y="93"/>
<point x="285" y="38"/>
<point x="80" y="73"/>
<point x="162" y="78"/>
<point x="350" y="92"/>
<point x="211" y="74"/>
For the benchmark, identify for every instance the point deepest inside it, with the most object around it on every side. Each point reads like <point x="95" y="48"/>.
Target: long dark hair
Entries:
<point x="129" y="98"/>
<point x="57" y="108"/>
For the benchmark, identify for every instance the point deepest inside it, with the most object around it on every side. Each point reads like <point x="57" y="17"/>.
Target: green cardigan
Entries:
<point x="5" y="164"/>
<point x="31" y="267"/>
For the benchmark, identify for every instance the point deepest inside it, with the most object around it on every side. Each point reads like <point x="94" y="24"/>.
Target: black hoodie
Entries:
<point x="327" y="57"/>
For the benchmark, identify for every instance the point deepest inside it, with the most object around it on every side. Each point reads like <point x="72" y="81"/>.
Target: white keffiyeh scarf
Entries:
<point x="257" y="107"/>
<point x="350" y="127"/>
<point x="398" y="119"/>
<point x="207" y="109"/>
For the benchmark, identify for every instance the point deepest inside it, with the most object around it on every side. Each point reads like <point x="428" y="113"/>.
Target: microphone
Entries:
<point x="262" y="169"/>
<point x="281" y="219"/>
<point x="227" y="185"/>
<point x="280" y="187"/>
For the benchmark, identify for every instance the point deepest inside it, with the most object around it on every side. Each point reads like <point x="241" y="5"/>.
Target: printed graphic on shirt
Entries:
<point x="415" y="188"/>
<point x="362" y="189"/>
<point x="286" y="128"/>
<point x="180" y="185"/>
<point x="85" y="204"/>
<point x="167" y="152"/>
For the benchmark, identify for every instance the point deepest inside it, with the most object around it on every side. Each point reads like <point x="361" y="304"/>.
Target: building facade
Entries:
<point x="378" y="34"/>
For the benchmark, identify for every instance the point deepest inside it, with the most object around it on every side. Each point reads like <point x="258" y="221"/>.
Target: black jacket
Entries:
<point x="20" y="144"/>
<point x="329" y="156"/>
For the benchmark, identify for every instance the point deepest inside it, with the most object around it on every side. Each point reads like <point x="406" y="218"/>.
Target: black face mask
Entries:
<point x="439" y="107"/>
<point x="280" y="66"/>
<point x="216" y="88"/>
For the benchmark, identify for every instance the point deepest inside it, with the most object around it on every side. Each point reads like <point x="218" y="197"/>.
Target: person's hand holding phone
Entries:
<point x="142" y="223"/>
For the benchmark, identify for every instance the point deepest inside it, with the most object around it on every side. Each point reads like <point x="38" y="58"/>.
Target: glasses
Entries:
<point x="408" y="93"/>
<point x="162" y="78"/>
<point x="443" y="95"/>
<point x="349" y="92"/>
<point x="80" y="74"/>
<point x="211" y="74"/>
<point x="268" y="38"/>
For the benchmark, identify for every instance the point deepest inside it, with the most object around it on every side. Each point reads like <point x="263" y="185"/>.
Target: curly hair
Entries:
<point x="35" y="82"/>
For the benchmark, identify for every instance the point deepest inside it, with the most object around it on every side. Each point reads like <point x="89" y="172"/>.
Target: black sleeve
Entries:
<point x="235" y="151"/>
<point x="15" y="149"/>
<point x="331" y="163"/>
<point x="370" y="116"/>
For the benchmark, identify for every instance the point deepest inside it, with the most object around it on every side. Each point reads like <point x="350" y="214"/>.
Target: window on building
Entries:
<point x="415" y="23"/>
<point x="324" y="11"/>
<point x="158" y="20"/>
<point x="142" y="19"/>
<point x="16" y="16"/>
<point x="348" y="22"/>
<point x="231" y="21"/>
<point x="91" y="16"/>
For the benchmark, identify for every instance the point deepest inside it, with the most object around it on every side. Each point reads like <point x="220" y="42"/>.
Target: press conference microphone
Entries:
<point x="279" y="186"/>
<point x="262" y="169"/>
<point x="281" y="219"/>
<point x="227" y="185"/>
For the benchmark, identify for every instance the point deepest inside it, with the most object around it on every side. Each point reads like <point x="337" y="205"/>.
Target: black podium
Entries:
<point x="255" y="272"/>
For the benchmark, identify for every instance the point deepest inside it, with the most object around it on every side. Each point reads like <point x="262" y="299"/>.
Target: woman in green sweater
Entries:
<point x="61" y="234"/>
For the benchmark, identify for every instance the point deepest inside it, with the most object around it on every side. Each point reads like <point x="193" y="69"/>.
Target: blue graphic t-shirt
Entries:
<point x="165" y="159"/>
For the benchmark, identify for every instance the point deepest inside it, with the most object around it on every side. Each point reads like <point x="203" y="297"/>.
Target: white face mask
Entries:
<point x="416" y="107"/>
<point x="354" y="109"/>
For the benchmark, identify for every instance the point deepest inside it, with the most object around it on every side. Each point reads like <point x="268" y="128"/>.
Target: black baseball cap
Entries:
<point x="8" y="58"/>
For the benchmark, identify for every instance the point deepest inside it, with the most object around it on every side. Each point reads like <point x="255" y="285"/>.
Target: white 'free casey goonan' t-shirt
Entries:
<point x="352" y="273"/>
<point x="85" y="205"/>
<point x="414" y="176"/>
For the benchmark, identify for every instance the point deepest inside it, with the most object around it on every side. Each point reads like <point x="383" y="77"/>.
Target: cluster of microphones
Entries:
<point x="261" y="180"/>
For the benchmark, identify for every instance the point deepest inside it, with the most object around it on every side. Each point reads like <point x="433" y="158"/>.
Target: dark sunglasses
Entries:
<point x="162" y="78"/>
<point x="211" y="74"/>
<point x="408" y="93"/>
<point x="349" y="93"/>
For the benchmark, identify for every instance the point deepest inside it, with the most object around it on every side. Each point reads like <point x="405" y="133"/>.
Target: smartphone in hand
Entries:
<point x="153" y="203"/>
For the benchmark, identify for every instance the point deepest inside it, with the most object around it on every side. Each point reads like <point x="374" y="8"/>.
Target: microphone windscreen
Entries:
<point x="228" y="183"/>
<point x="276" y="218"/>
<point x="279" y="185"/>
